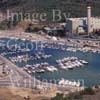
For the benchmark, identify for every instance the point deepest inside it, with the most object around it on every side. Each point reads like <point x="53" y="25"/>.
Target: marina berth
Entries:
<point x="40" y="68"/>
<point x="83" y="61"/>
<point x="14" y="51"/>
<point x="51" y="69"/>
<point x="26" y="57"/>
<point x="57" y="46"/>
<point x="70" y="63"/>
<point x="84" y="49"/>
<point x="64" y="82"/>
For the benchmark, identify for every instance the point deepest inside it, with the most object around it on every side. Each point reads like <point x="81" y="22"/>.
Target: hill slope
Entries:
<point x="75" y="7"/>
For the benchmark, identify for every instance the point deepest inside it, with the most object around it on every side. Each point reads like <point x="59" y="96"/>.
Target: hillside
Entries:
<point x="72" y="8"/>
<point x="75" y="7"/>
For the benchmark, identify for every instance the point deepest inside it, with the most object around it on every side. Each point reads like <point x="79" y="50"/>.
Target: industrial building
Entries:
<point x="84" y="24"/>
<point x="79" y="25"/>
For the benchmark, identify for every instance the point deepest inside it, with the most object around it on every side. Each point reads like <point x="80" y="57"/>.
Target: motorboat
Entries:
<point x="70" y="63"/>
<point x="83" y="61"/>
<point x="64" y="82"/>
<point x="61" y="82"/>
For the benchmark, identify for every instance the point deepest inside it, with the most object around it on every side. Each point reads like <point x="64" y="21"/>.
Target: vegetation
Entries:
<point x="88" y="91"/>
<point x="27" y="98"/>
<point x="97" y="87"/>
<point x="75" y="96"/>
<point x="72" y="96"/>
<point x="31" y="28"/>
<point x="74" y="7"/>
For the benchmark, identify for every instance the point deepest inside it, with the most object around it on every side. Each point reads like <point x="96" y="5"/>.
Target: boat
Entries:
<point x="54" y="68"/>
<point x="70" y="63"/>
<point x="70" y="67"/>
<point x="49" y="69"/>
<point x="29" y="72"/>
<point x="69" y="83"/>
<point x="40" y="71"/>
<point x="62" y="81"/>
<point x="83" y="61"/>
<point x="63" y="67"/>
<point x="78" y="84"/>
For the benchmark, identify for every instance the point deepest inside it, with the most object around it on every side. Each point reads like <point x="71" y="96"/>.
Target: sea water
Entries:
<point x="89" y="73"/>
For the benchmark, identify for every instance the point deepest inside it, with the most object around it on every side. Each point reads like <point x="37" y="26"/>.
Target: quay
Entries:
<point x="17" y="34"/>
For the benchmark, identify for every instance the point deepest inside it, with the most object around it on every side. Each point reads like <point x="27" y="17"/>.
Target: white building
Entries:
<point x="79" y="25"/>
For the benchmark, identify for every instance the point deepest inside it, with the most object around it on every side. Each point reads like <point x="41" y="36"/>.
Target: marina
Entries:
<point x="54" y="61"/>
<point x="50" y="50"/>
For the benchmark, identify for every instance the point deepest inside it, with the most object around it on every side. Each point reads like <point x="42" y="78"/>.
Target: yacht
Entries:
<point x="69" y="83"/>
<point x="83" y="61"/>
<point x="61" y="82"/>
<point x="70" y="63"/>
<point x="29" y="72"/>
<point x="53" y="68"/>
<point x="70" y="67"/>
<point x="49" y="69"/>
<point x="78" y="84"/>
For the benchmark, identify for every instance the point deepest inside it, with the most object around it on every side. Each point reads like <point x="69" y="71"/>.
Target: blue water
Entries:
<point x="89" y="73"/>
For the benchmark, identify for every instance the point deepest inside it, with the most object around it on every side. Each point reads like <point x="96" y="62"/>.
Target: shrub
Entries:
<point x="58" y="97"/>
<point x="88" y="91"/>
<point x="97" y="87"/>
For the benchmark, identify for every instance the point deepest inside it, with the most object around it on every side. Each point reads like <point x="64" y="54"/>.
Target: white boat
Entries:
<point x="63" y="67"/>
<point x="69" y="83"/>
<point x="74" y="83"/>
<point x="40" y="71"/>
<point x="53" y="68"/>
<point x="49" y="69"/>
<point x="29" y="71"/>
<point x="33" y="71"/>
<point x="83" y="61"/>
<point x="70" y="67"/>
<point x="61" y="82"/>
<point x="80" y="64"/>
<point x="66" y="82"/>
<point x="78" y="84"/>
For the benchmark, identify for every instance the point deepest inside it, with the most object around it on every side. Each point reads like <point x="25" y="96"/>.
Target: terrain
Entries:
<point x="12" y="93"/>
<point x="76" y="8"/>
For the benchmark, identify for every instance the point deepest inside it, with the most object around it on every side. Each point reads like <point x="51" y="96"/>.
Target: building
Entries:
<point x="84" y="24"/>
<point x="80" y="25"/>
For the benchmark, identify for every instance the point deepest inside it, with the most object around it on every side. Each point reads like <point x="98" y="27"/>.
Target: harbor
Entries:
<point x="50" y="64"/>
<point x="50" y="50"/>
